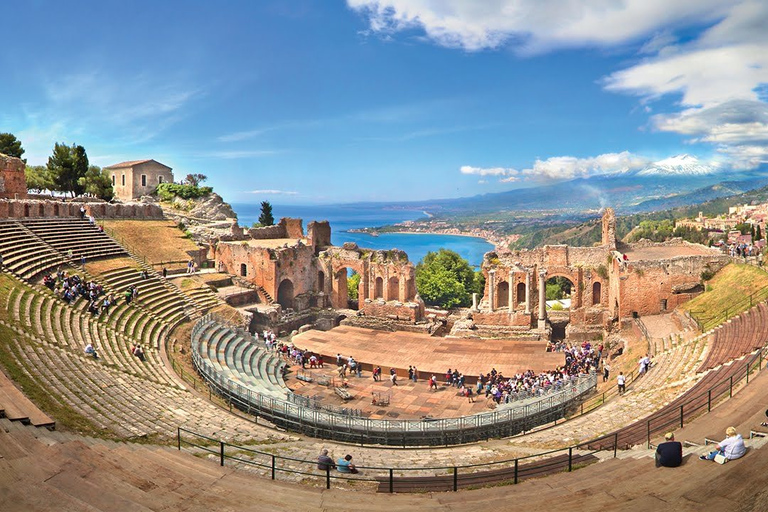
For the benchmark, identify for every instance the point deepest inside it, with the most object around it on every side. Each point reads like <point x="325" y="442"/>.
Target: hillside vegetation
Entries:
<point x="731" y="291"/>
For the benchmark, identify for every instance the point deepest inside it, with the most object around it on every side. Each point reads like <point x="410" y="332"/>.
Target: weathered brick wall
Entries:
<point x="21" y="208"/>
<point x="267" y="232"/>
<point x="645" y="284"/>
<point x="319" y="234"/>
<point x="293" y="227"/>
<point x="13" y="183"/>
<point x="395" y="310"/>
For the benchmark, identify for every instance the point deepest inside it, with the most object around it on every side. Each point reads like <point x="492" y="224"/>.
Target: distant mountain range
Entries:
<point x="676" y="181"/>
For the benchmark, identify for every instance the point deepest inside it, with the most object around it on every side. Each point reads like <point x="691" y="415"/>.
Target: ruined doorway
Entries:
<point x="285" y="294"/>
<point x="502" y="295"/>
<point x="559" y="290"/>
<point x="378" y="288"/>
<point x="393" y="289"/>
<point x="243" y="270"/>
<point x="520" y="293"/>
<point x="597" y="290"/>
<point x="320" y="281"/>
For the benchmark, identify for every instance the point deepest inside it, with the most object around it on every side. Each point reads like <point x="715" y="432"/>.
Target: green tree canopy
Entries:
<point x="38" y="178"/>
<point x="97" y="182"/>
<point x="10" y="145"/>
<point x="66" y="166"/>
<point x="353" y="285"/>
<point x="266" y="218"/>
<point x="445" y="279"/>
<point x="195" y="179"/>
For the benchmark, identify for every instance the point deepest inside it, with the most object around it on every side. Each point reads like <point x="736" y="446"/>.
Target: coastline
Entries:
<point x="496" y="243"/>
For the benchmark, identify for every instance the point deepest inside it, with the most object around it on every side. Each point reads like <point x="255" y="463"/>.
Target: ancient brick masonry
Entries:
<point x="608" y="285"/>
<point x="301" y="272"/>
<point x="13" y="184"/>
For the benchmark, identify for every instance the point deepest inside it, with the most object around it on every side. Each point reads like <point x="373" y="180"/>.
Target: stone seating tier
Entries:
<point x="225" y="349"/>
<point x="81" y="329"/>
<point x="82" y="238"/>
<point x="738" y="336"/>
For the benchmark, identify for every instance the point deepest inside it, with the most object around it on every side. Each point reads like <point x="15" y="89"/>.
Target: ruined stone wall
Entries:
<point x="293" y="227"/>
<point x="260" y="267"/>
<point x="267" y="232"/>
<point x="285" y="228"/>
<point x="502" y="317"/>
<point x="20" y="209"/>
<point x="608" y="238"/>
<point x="411" y="311"/>
<point x="653" y="287"/>
<point x="298" y="265"/>
<point x="13" y="183"/>
<point x="319" y="234"/>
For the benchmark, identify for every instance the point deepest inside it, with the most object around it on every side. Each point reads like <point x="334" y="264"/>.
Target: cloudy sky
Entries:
<point x="303" y="101"/>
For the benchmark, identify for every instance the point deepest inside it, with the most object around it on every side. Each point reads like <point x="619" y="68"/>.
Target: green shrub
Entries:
<point x="167" y="191"/>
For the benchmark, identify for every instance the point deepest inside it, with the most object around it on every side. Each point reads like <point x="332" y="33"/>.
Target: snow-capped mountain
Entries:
<point x="680" y="165"/>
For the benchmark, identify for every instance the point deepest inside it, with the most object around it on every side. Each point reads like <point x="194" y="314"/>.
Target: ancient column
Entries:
<point x="510" y="289"/>
<point x="528" y="292"/>
<point x="542" y="299"/>
<point x="491" y="288"/>
<point x="474" y="302"/>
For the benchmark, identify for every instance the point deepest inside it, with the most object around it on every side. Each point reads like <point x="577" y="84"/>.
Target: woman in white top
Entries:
<point x="732" y="447"/>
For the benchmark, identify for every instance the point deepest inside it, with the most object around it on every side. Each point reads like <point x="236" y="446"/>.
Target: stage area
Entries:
<point x="431" y="355"/>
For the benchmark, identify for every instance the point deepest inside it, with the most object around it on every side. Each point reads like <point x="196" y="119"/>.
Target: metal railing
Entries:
<point x="398" y="479"/>
<point x="506" y="420"/>
<point x="451" y="478"/>
<point x="705" y="321"/>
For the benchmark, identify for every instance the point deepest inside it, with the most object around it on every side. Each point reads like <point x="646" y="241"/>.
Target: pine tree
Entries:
<point x="266" y="218"/>
<point x="758" y="234"/>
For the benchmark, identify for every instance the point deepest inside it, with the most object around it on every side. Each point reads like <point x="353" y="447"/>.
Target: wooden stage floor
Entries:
<point x="431" y="355"/>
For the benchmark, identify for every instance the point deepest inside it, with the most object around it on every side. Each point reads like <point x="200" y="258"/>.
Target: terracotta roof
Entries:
<point x="131" y="163"/>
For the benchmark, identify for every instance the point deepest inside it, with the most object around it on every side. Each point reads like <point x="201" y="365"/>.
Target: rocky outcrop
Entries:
<point x="207" y="219"/>
<point x="213" y="207"/>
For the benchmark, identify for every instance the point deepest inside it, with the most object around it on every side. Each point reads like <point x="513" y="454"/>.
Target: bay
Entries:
<point x="345" y="217"/>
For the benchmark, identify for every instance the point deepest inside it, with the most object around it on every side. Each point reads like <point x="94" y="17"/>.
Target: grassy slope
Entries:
<point x="730" y="291"/>
<point x="157" y="240"/>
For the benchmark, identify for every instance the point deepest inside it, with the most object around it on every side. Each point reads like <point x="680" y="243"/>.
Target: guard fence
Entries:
<point x="506" y="420"/>
<point x="511" y="471"/>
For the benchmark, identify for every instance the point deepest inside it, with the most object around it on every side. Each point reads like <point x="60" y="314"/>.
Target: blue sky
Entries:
<point x="329" y="101"/>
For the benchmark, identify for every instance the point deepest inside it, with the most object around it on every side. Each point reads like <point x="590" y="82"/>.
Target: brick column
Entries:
<point x="510" y="289"/>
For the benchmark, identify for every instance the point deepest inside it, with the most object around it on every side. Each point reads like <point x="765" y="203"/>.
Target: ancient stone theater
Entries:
<point x="609" y="283"/>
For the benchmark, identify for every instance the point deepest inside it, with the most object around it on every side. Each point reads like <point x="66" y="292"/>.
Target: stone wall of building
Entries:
<point x="13" y="183"/>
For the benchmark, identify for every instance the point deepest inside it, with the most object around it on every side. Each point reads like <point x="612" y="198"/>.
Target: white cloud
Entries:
<point x="725" y="65"/>
<point x="560" y="168"/>
<point x="719" y="77"/>
<point x="487" y="171"/>
<point x="274" y="192"/>
<point x="570" y="167"/>
<point x="533" y="25"/>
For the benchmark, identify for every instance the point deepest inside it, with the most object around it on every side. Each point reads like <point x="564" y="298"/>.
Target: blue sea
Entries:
<point x="344" y="218"/>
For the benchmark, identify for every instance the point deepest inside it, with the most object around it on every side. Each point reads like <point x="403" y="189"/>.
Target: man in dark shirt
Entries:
<point x="669" y="454"/>
<point x="324" y="462"/>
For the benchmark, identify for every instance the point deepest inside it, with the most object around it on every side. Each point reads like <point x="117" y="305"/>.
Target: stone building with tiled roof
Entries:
<point x="131" y="180"/>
